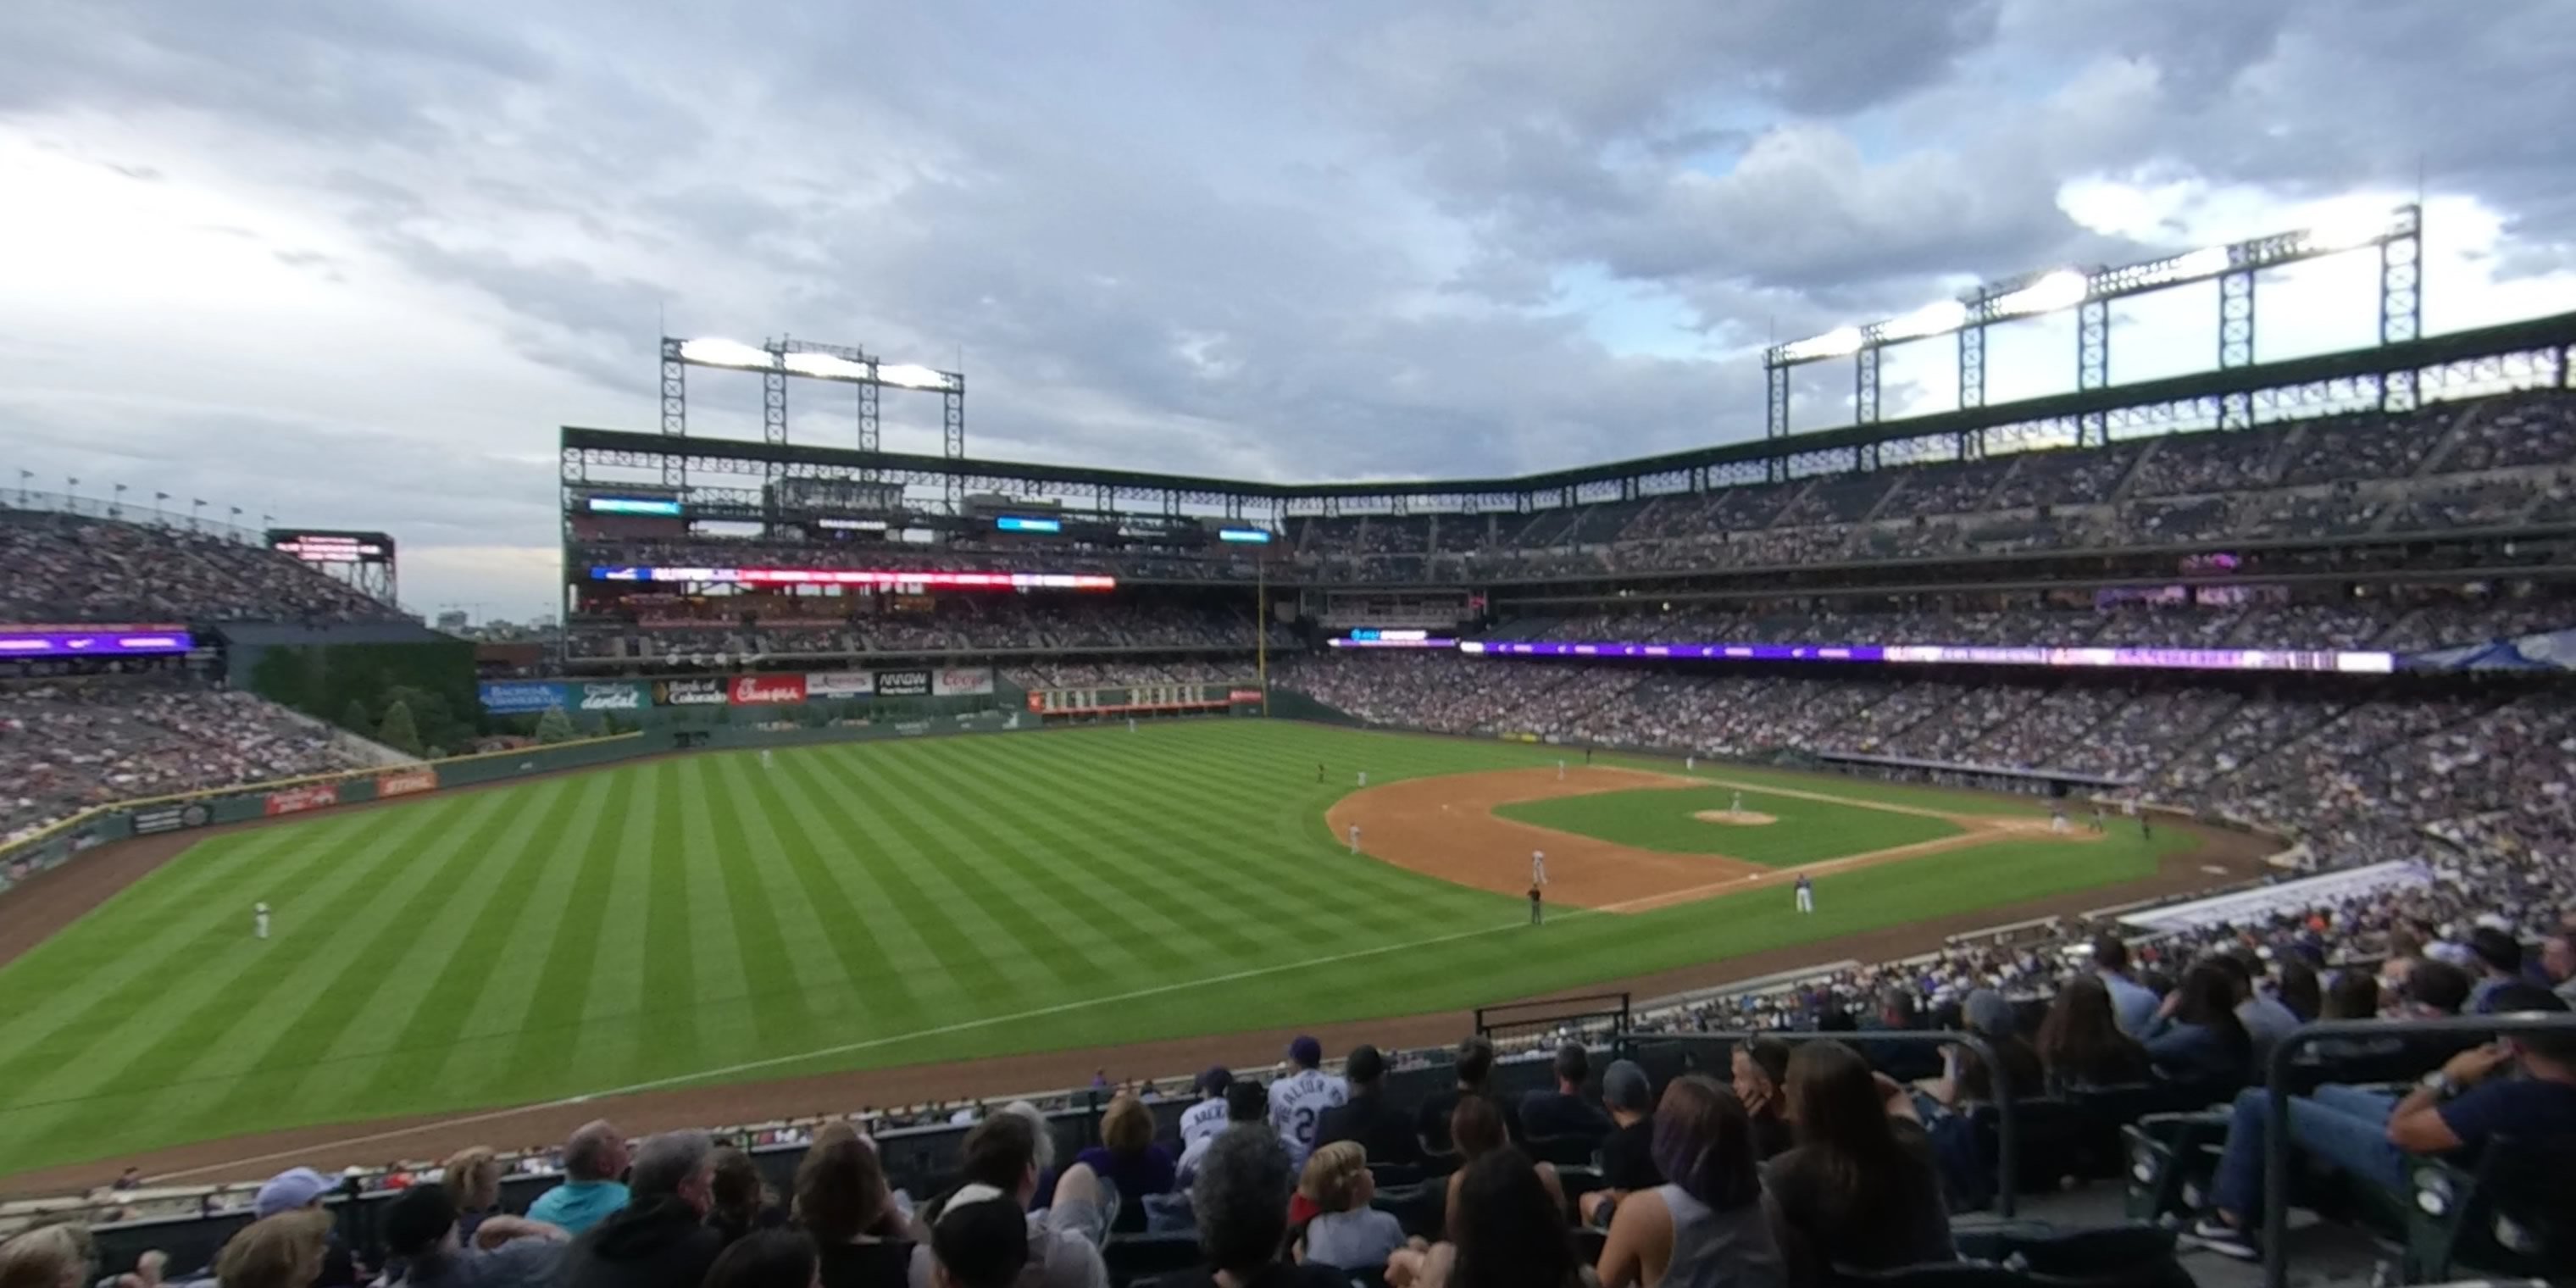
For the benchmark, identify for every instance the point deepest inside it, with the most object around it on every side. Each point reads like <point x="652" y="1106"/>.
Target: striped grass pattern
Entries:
<point x="877" y="903"/>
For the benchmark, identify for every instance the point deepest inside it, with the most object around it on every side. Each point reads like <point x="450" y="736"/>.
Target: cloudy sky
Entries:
<point x="352" y="264"/>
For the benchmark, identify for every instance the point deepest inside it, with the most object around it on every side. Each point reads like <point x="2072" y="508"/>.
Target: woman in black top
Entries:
<point x="2080" y="1043"/>
<point x="1860" y="1189"/>
<point x="842" y="1200"/>
<point x="1761" y="1072"/>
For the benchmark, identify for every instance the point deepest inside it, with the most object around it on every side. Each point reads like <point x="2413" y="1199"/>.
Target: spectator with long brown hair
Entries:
<point x="1705" y="1226"/>
<point x="2080" y="1042"/>
<point x="282" y="1251"/>
<point x="1761" y="1069"/>
<point x="1476" y="1128"/>
<point x="1507" y="1230"/>
<point x="742" y="1201"/>
<point x="2197" y="1037"/>
<point x="1861" y="1189"/>
<point x="842" y="1200"/>
<point x="473" y="1179"/>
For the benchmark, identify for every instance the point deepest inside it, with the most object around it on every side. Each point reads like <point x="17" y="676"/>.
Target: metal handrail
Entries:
<point x="2276" y="1138"/>
<point x="2007" y="1138"/>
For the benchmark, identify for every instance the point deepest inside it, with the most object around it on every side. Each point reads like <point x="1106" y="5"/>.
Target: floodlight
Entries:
<point x="825" y="365"/>
<point x="726" y="353"/>
<point x="2208" y="261"/>
<point x="1931" y="319"/>
<point x="2062" y="289"/>
<point x="1832" y="344"/>
<point x="912" y="376"/>
<point x="2344" y="230"/>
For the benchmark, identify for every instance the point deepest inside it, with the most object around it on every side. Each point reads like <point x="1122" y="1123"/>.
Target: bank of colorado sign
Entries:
<point x="767" y="690"/>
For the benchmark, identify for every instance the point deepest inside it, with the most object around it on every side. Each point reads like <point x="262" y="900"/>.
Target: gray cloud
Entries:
<point x="1336" y="244"/>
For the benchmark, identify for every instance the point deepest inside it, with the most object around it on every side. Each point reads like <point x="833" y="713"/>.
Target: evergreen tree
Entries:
<point x="355" y="718"/>
<point x="398" y="732"/>
<point x="554" y="726"/>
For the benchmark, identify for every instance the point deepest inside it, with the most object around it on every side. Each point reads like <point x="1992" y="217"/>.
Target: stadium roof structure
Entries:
<point x="2525" y="354"/>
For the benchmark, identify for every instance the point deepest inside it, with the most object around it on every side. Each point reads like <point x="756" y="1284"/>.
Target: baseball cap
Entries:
<point x="289" y="1190"/>
<point x="1364" y="1064"/>
<point x="1624" y="1086"/>
<point x="1306" y="1052"/>
<point x="417" y="1219"/>
<point x="1215" y="1080"/>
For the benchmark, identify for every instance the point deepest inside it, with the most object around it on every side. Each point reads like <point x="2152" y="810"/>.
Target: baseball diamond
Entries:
<point x="694" y="922"/>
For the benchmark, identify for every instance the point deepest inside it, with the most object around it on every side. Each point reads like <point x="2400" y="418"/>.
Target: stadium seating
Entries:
<point x="67" y="568"/>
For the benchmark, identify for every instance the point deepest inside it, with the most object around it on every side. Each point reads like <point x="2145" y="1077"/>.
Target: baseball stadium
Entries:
<point x="895" y="789"/>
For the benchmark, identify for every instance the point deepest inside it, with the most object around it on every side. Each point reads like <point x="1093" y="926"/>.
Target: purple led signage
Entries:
<point x="89" y="643"/>
<point x="1420" y="641"/>
<point x="2176" y="659"/>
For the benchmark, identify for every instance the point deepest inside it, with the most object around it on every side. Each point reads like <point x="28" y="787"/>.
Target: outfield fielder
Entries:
<point x="1538" y="867"/>
<point x="1806" y="894"/>
<point x="259" y="920"/>
<point x="765" y="761"/>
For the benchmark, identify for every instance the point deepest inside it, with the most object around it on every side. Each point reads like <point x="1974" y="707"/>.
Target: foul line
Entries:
<point x="845" y="1048"/>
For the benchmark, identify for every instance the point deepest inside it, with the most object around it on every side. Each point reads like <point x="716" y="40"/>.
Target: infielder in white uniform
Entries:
<point x="1363" y="778"/>
<point x="1298" y="1101"/>
<point x="1738" y="807"/>
<point x="765" y="758"/>
<point x="1355" y="838"/>
<point x="259" y="920"/>
<point x="1560" y="771"/>
<point x="1538" y="867"/>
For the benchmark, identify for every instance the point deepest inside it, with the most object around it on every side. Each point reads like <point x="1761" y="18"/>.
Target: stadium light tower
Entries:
<point x="780" y="359"/>
<point x="2397" y="233"/>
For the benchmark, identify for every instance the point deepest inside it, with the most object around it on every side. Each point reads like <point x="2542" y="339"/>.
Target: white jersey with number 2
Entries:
<point x="1297" y="1105"/>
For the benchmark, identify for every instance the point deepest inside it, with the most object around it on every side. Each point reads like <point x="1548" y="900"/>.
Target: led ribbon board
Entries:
<point x="857" y="577"/>
<point x="93" y="643"/>
<point x="2163" y="659"/>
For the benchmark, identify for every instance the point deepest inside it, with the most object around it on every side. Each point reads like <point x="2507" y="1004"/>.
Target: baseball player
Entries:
<point x="1806" y="894"/>
<point x="2098" y="822"/>
<point x="766" y="759"/>
<point x="1131" y="724"/>
<point x="1298" y="1101"/>
<point x="1207" y="1117"/>
<point x="2057" y="819"/>
<point x="259" y="920"/>
<point x="1319" y="771"/>
<point x="1535" y="917"/>
<point x="1560" y="771"/>
<point x="1363" y="778"/>
<point x="1690" y="764"/>
<point x="1355" y="838"/>
<point x="1737" y="808"/>
<point x="1538" y="867"/>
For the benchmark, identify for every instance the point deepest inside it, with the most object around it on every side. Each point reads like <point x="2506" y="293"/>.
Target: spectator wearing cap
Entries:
<point x="2132" y="1004"/>
<point x="981" y="1240"/>
<point x="303" y="1188"/>
<point x="1001" y="1155"/>
<point x="1245" y="1102"/>
<point x="424" y="1230"/>
<point x="1628" y="1152"/>
<point x="660" y="1239"/>
<point x="1565" y="1111"/>
<point x="1298" y="1101"/>
<point x="1475" y="1068"/>
<point x="1207" y="1117"/>
<point x="594" y="1156"/>
<point x="1381" y="1128"/>
<point x="2498" y="961"/>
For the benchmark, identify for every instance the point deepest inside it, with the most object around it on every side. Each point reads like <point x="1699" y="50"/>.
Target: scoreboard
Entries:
<point x="330" y="547"/>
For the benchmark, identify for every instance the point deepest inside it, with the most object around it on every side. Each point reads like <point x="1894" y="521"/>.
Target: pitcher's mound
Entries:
<point x="1748" y="818"/>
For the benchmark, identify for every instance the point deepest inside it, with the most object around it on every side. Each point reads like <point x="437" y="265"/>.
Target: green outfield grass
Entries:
<point x="1654" y="818"/>
<point x="703" y="919"/>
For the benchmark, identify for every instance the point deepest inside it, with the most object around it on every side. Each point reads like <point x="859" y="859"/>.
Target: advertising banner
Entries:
<point x="517" y="697"/>
<point x="171" y="818"/>
<point x="839" y="684"/>
<point x="295" y="800"/>
<point x="907" y="684"/>
<point x="403" y="782"/>
<point x="1240" y="696"/>
<point x="611" y="697"/>
<point x="961" y="681"/>
<point x="767" y="690"/>
<point x="688" y="693"/>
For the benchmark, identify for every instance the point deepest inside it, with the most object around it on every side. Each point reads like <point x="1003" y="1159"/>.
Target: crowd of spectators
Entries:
<point x="70" y="568"/>
<point x="71" y="743"/>
<point x="958" y="623"/>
